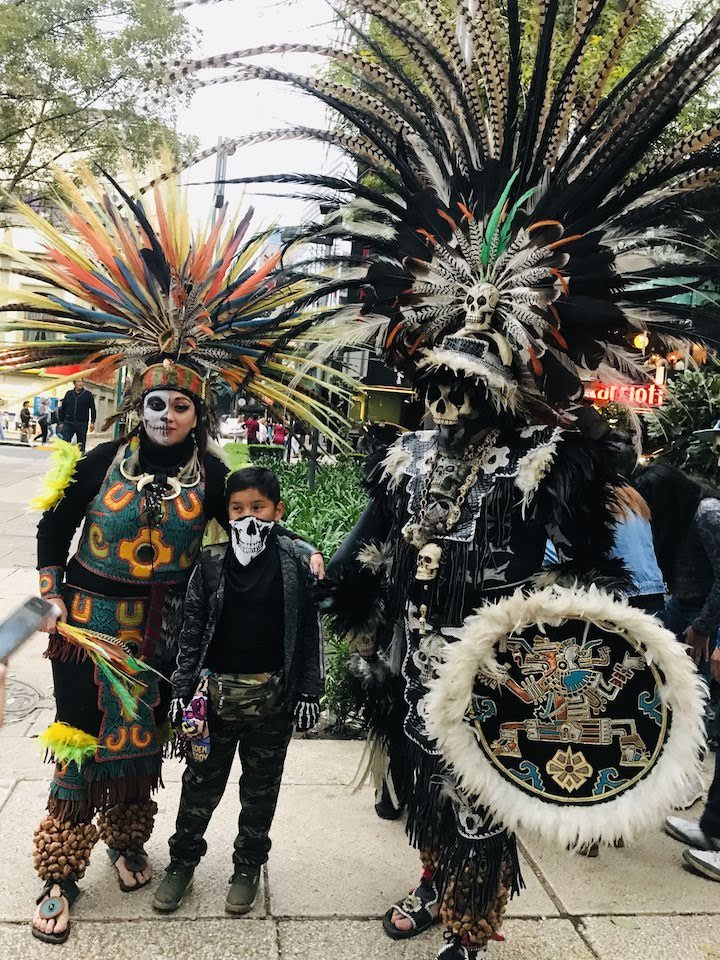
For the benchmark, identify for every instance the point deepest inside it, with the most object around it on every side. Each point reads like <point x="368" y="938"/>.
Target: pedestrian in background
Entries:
<point x="252" y="424"/>
<point x="279" y="434"/>
<point x="262" y="431"/>
<point x="76" y="414"/>
<point x="25" y="422"/>
<point x="43" y="421"/>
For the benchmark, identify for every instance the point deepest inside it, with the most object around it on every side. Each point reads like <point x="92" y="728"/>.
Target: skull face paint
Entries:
<point x="168" y="416"/>
<point x="248" y="538"/>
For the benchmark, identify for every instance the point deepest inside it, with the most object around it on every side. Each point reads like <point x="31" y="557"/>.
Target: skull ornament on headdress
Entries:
<point x="480" y="305"/>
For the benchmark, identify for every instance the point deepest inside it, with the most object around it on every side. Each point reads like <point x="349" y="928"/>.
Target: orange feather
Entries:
<point x="543" y="223"/>
<point x="465" y="211"/>
<point x="446" y="217"/>
<point x="257" y="278"/>
<point x="565" y="240"/>
<point x="536" y="365"/>
<point x="561" y="278"/>
<point x="428" y="236"/>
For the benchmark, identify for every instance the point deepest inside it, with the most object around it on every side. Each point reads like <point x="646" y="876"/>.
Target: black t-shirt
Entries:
<point x="249" y="635"/>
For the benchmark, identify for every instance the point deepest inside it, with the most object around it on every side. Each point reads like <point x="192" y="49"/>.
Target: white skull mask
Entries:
<point x="156" y="407"/>
<point x="428" y="562"/>
<point x="248" y="538"/>
<point x="446" y="403"/>
<point x="480" y="305"/>
<point x="428" y="656"/>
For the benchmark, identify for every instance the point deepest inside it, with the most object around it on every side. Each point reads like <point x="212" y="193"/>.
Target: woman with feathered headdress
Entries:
<point x="188" y="313"/>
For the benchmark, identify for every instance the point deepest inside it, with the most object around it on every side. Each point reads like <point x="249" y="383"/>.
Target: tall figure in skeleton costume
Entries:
<point x="189" y="314"/>
<point x="519" y="215"/>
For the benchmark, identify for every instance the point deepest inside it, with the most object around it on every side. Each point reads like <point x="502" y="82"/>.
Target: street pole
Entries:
<point x="220" y="175"/>
<point x="118" y="400"/>
<point x="312" y="469"/>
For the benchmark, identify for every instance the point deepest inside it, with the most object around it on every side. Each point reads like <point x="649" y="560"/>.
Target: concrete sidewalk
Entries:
<point x="334" y="868"/>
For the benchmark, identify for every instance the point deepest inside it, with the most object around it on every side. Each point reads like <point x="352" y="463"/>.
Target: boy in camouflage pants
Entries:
<point x="251" y="636"/>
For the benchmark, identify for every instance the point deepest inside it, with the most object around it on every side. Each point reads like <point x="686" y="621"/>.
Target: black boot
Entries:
<point x="388" y="807"/>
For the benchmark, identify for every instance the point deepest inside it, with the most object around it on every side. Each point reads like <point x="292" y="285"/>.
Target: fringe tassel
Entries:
<point x="63" y="652"/>
<point x="472" y="871"/>
<point x="430" y="824"/>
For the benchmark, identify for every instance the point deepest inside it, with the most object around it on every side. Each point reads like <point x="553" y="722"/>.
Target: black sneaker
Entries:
<point x="243" y="890"/>
<point x="173" y="887"/>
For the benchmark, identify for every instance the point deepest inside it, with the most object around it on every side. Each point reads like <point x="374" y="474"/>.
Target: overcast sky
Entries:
<point x="232" y="110"/>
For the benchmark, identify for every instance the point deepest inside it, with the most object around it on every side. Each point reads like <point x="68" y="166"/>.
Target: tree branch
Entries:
<point x="62" y="116"/>
<point x="17" y="177"/>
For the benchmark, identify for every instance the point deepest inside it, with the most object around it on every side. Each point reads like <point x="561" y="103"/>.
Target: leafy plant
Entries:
<point x="693" y="403"/>
<point x="326" y="515"/>
<point x="337" y="700"/>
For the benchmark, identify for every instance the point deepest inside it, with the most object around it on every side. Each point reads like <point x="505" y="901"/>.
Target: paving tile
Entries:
<point x="351" y="862"/>
<point x="165" y="939"/>
<point x="657" y="938"/>
<point x="6" y="788"/>
<point x="365" y="940"/>
<point x="101" y="897"/>
<point x="322" y="761"/>
<point x="648" y="874"/>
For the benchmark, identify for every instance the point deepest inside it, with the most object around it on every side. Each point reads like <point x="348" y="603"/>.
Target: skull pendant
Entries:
<point x="428" y="562"/>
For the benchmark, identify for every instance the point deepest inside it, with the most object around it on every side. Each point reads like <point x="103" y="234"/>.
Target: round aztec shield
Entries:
<point x="569" y="713"/>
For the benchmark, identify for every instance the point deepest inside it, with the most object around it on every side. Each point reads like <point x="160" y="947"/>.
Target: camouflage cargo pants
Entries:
<point x="251" y="716"/>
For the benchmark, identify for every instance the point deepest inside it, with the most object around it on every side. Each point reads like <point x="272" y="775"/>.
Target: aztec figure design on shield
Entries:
<point x="561" y="700"/>
<point x="567" y="678"/>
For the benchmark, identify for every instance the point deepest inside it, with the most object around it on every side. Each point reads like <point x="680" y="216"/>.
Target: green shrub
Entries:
<point x="323" y="518"/>
<point x="693" y="403"/>
<point x="337" y="699"/>
<point x="237" y="455"/>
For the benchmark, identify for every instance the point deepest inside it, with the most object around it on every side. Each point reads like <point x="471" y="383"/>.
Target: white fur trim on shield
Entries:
<point x="641" y="807"/>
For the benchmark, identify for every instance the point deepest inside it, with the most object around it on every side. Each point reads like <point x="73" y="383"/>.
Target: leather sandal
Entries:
<point x="415" y="909"/>
<point x="136" y="861"/>
<point x="52" y="907"/>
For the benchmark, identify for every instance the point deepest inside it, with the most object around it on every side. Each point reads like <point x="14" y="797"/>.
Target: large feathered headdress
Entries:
<point x="498" y="203"/>
<point x="119" y="285"/>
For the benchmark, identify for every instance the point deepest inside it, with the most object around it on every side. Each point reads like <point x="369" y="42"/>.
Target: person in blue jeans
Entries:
<point x="686" y="533"/>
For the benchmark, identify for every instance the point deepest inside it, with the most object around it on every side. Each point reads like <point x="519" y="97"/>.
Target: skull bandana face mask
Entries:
<point x="248" y="538"/>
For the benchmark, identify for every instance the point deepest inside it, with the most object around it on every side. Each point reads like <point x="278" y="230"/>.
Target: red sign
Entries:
<point x="631" y="394"/>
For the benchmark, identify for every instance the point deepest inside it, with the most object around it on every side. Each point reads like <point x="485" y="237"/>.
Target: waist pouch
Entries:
<point x="236" y="696"/>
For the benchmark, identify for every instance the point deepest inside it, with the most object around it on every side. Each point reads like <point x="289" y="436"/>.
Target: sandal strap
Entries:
<point x="68" y="889"/>
<point x="139" y="857"/>
<point x="414" y="909"/>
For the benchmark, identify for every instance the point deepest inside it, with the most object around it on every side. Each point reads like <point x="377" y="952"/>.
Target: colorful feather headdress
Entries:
<point x="502" y="200"/>
<point x="126" y="286"/>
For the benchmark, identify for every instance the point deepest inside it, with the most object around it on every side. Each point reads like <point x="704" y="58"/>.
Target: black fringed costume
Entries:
<point x="518" y="231"/>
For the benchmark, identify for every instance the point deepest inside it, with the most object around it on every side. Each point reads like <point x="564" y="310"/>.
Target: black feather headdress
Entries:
<point x="503" y="209"/>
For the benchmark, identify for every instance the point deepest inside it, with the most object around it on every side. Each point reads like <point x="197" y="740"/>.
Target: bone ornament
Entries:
<point x="428" y="562"/>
